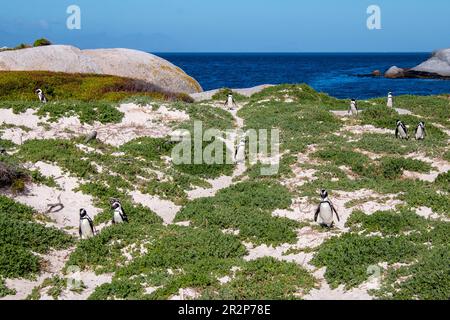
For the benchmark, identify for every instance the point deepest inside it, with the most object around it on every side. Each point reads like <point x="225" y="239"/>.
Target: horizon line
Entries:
<point x="286" y="52"/>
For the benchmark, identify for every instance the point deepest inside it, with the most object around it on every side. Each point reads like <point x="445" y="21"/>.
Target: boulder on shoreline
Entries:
<point x="395" y="72"/>
<point x="437" y="67"/>
<point x="117" y="62"/>
<point x="439" y="64"/>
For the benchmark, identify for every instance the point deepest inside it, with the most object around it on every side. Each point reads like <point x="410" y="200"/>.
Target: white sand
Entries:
<point x="166" y="209"/>
<point x="40" y="196"/>
<point x="138" y="121"/>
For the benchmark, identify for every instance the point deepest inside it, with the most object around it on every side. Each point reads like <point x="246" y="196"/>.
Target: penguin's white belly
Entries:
<point x="390" y="103"/>
<point x="419" y="133"/>
<point x="86" y="231"/>
<point x="326" y="214"/>
<point x="402" y="132"/>
<point x="240" y="154"/>
<point x="230" y="103"/>
<point x="353" y="110"/>
<point x="117" y="217"/>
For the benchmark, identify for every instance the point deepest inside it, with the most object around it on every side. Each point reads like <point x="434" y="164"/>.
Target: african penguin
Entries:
<point x="239" y="155"/>
<point x="420" y="131"/>
<point x="325" y="210"/>
<point x="353" y="109"/>
<point x="401" y="131"/>
<point x="119" y="215"/>
<point x="86" y="229"/>
<point x="390" y="100"/>
<point x="230" y="103"/>
<point x="41" y="96"/>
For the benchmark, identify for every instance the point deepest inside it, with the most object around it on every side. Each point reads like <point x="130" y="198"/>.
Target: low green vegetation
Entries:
<point x="266" y="279"/>
<point x="176" y="257"/>
<point x="415" y="250"/>
<point x="203" y="251"/>
<point x="21" y="238"/>
<point x="57" y="86"/>
<point x="41" y="42"/>
<point x="4" y="290"/>
<point x="222" y="95"/>
<point x="246" y="207"/>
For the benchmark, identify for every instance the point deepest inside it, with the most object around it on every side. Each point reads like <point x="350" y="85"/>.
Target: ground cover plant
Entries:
<point x="243" y="241"/>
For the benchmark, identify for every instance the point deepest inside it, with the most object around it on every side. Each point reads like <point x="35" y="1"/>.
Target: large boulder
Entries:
<point x="118" y="62"/>
<point x="438" y="64"/>
<point x="395" y="72"/>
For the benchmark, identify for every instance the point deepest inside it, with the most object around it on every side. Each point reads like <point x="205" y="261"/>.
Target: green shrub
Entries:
<point x="265" y="279"/>
<point x="4" y="290"/>
<point x="20" y="237"/>
<point x="21" y="86"/>
<point x="387" y="222"/>
<point x="63" y="152"/>
<point x="349" y="256"/>
<point x="248" y="207"/>
<point x="17" y="262"/>
<point x="41" y="42"/>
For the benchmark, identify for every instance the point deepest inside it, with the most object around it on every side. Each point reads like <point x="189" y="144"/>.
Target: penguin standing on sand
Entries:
<point x="326" y="210"/>
<point x="119" y="215"/>
<point x="41" y="96"/>
<point x="401" y="131"/>
<point x="353" y="109"/>
<point x="230" y="103"/>
<point x="420" y="131"/>
<point x="390" y="100"/>
<point x="86" y="229"/>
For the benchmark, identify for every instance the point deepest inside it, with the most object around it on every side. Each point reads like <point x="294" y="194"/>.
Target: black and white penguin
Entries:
<point x="401" y="131"/>
<point x="353" y="109"/>
<point x="230" y="103"/>
<point x="119" y="215"/>
<point x="86" y="228"/>
<point x="239" y="155"/>
<point x="326" y="210"/>
<point x="420" y="131"/>
<point x="41" y="96"/>
<point x="390" y="100"/>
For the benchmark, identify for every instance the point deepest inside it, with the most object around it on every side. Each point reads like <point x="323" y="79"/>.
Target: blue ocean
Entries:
<point x="339" y="75"/>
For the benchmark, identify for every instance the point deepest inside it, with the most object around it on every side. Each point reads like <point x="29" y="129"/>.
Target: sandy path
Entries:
<point x="222" y="182"/>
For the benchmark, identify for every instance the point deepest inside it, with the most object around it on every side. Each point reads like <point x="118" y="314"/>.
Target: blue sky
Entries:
<point x="232" y="25"/>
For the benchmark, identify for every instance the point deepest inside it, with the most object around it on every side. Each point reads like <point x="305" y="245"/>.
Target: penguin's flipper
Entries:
<point x="317" y="213"/>
<point x="91" y="223"/>
<point x="124" y="216"/>
<point x="396" y="132"/>
<point x="335" y="211"/>
<point x="404" y="128"/>
<point x="79" y="230"/>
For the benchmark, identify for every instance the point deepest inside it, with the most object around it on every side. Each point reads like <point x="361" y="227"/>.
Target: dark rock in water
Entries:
<point x="90" y="137"/>
<point x="376" y="73"/>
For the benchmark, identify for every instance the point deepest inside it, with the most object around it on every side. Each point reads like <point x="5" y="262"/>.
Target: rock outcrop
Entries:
<point x="438" y="64"/>
<point x="118" y="62"/>
<point x="437" y="67"/>
<point x="394" y="72"/>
